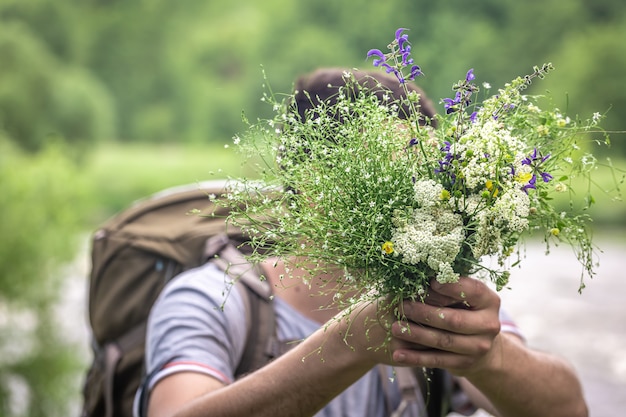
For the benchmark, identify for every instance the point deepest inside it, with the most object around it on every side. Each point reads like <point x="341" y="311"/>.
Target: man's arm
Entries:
<point x="465" y="339"/>
<point x="300" y="382"/>
<point x="542" y="384"/>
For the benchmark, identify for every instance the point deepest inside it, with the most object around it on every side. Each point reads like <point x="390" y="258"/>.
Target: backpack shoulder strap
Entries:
<point x="261" y="343"/>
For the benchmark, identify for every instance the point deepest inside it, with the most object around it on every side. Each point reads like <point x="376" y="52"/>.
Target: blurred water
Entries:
<point x="587" y="329"/>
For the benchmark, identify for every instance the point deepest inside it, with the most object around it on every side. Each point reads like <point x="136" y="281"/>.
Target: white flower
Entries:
<point x="427" y="192"/>
<point x="559" y="187"/>
<point x="512" y="209"/>
<point x="430" y="236"/>
<point x="508" y="214"/>
<point x="533" y="108"/>
<point x="588" y="160"/>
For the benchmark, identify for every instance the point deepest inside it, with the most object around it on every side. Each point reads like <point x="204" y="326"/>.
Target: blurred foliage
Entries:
<point x="42" y="96"/>
<point x="122" y="173"/>
<point x="42" y="208"/>
<point x="161" y="71"/>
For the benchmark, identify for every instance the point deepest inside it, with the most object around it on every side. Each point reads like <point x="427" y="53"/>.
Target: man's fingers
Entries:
<point x="438" y="339"/>
<point x="432" y="359"/>
<point x="468" y="292"/>
<point x="452" y="319"/>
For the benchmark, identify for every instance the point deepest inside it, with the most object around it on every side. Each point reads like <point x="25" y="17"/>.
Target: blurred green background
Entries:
<point x="103" y="102"/>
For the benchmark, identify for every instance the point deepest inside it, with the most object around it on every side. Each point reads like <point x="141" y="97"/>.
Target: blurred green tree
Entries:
<point x="41" y="97"/>
<point x="183" y="71"/>
<point x="42" y="208"/>
<point x="597" y="83"/>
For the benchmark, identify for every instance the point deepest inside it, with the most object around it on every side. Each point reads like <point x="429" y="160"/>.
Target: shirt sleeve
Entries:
<point x="507" y="325"/>
<point x="196" y="325"/>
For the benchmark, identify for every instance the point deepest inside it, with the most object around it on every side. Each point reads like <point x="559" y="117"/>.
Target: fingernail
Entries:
<point x="434" y="284"/>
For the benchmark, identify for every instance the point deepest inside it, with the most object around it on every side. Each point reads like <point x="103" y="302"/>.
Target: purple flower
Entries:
<point x="406" y="57"/>
<point x="401" y="38"/>
<point x="546" y="177"/>
<point x="415" y="72"/>
<point x="401" y="52"/>
<point x="378" y="53"/>
<point x="381" y="61"/>
<point x="404" y="47"/>
<point x="463" y="97"/>
<point x="448" y="104"/>
<point x="446" y="163"/>
<point x="530" y="184"/>
<point x="535" y="160"/>
<point x="451" y="104"/>
<point x="460" y="98"/>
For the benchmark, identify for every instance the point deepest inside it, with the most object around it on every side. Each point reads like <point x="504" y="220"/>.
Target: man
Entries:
<point x="194" y="346"/>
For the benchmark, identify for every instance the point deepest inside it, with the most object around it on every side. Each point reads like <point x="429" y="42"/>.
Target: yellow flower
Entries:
<point x="554" y="231"/>
<point x="388" y="247"/>
<point x="543" y="130"/>
<point x="562" y="121"/>
<point x="445" y="195"/>
<point x="523" y="177"/>
<point x="490" y="186"/>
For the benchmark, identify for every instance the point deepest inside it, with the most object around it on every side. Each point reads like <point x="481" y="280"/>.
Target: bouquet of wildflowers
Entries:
<point x="395" y="203"/>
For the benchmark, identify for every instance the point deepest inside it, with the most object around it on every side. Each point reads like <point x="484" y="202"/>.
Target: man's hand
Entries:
<point x="459" y="326"/>
<point x="458" y="323"/>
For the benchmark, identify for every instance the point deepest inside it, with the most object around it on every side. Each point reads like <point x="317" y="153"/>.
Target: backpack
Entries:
<point x="134" y="254"/>
<point x="137" y="252"/>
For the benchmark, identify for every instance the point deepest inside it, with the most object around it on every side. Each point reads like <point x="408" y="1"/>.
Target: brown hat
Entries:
<point x="322" y="85"/>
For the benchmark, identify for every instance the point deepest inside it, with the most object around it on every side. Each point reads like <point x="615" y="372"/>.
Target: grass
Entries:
<point x="121" y="174"/>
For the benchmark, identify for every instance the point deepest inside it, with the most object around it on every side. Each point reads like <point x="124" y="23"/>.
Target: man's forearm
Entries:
<point x="300" y="382"/>
<point x="523" y="382"/>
